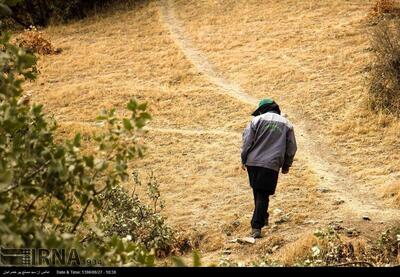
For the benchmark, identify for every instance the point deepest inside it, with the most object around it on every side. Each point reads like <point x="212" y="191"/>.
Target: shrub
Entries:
<point x="387" y="250"/>
<point x="34" y="41"/>
<point x="384" y="87"/>
<point x="333" y="249"/>
<point x="385" y="7"/>
<point x="126" y="216"/>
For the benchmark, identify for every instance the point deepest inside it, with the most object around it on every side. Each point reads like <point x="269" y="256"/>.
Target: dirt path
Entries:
<point x="331" y="175"/>
<point x="197" y="58"/>
<point x="189" y="132"/>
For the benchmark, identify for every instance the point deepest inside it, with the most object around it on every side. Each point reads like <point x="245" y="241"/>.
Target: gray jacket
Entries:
<point x="269" y="142"/>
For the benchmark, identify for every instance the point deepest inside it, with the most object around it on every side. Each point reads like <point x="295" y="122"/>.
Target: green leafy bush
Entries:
<point x="126" y="216"/>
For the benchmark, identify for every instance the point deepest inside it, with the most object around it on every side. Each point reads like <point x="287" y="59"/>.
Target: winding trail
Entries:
<point x="181" y="131"/>
<point x="331" y="175"/>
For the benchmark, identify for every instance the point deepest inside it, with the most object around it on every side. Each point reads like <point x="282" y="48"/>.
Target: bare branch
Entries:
<point x="10" y="188"/>
<point x="81" y="216"/>
<point x="30" y="206"/>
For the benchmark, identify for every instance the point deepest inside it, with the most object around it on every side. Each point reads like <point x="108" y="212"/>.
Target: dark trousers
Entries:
<point x="260" y="215"/>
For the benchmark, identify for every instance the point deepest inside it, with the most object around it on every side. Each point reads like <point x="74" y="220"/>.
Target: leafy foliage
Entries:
<point x="126" y="216"/>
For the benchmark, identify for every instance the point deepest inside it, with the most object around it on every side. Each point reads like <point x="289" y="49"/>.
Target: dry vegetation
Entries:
<point x="34" y="41"/>
<point x="308" y="55"/>
<point x="392" y="193"/>
<point x="385" y="72"/>
<point x="313" y="63"/>
<point x="298" y="250"/>
<point x="385" y="7"/>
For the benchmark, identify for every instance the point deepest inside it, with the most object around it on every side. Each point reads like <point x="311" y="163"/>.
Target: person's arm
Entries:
<point x="248" y="139"/>
<point x="291" y="149"/>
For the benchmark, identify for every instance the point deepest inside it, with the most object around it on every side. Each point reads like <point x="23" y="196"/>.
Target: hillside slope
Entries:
<point x="202" y="66"/>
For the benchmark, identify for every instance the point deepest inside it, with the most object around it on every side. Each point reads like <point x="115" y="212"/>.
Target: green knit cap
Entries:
<point x="265" y="101"/>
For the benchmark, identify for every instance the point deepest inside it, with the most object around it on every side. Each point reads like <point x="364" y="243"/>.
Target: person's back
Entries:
<point x="269" y="144"/>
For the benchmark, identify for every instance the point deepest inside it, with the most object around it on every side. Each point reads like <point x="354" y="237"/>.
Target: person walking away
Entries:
<point x="269" y="145"/>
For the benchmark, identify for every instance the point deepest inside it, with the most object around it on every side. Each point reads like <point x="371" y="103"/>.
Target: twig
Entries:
<point x="155" y="205"/>
<point x="26" y="177"/>
<point x="30" y="206"/>
<point x="100" y="191"/>
<point x="47" y="212"/>
<point x="37" y="170"/>
<point x="62" y="216"/>
<point x="9" y="189"/>
<point x="81" y="216"/>
<point x="84" y="239"/>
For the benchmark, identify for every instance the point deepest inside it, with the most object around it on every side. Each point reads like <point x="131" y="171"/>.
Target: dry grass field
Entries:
<point x="201" y="66"/>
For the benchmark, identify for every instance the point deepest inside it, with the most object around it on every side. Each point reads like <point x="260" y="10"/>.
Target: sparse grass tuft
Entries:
<point x="298" y="250"/>
<point x="392" y="192"/>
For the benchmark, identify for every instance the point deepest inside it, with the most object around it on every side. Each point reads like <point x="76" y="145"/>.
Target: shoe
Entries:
<point x="256" y="233"/>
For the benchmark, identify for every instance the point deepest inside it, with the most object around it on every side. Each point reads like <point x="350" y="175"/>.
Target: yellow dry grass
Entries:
<point x="391" y="192"/>
<point x="311" y="57"/>
<point x="301" y="249"/>
<point x="298" y="251"/>
<point x="308" y="55"/>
